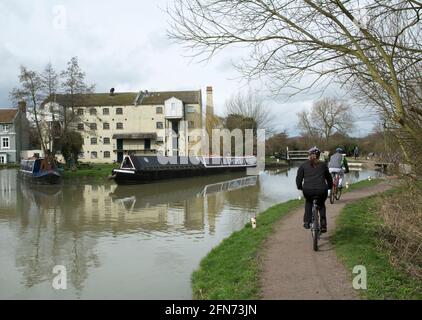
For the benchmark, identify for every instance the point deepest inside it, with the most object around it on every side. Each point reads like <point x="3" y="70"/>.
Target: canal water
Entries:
<point x="125" y="242"/>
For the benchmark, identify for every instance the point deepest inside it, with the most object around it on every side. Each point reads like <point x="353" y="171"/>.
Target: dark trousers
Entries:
<point x="322" y="195"/>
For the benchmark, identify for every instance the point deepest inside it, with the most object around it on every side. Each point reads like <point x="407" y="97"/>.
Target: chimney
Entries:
<point x="22" y="106"/>
<point x="209" y="102"/>
<point x="112" y="92"/>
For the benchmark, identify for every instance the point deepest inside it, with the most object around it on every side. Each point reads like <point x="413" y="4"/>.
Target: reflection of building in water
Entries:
<point x="184" y="202"/>
<point x="44" y="238"/>
<point x="60" y="225"/>
<point x="246" y="198"/>
<point x="8" y="193"/>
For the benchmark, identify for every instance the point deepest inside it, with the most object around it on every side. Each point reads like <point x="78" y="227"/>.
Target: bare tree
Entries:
<point x="251" y="106"/>
<point x="50" y="82"/>
<point x="327" y="117"/>
<point x="74" y="87"/>
<point x="40" y="91"/>
<point x="349" y="41"/>
<point x="276" y="143"/>
<point x="31" y="91"/>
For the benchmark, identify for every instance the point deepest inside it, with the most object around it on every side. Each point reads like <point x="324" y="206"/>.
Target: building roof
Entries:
<point x="126" y="98"/>
<point x="137" y="135"/>
<point x="7" y="115"/>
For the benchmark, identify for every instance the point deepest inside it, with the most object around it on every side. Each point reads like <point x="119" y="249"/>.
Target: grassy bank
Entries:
<point x="230" y="271"/>
<point x="95" y="171"/>
<point x="363" y="184"/>
<point x="357" y="242"/>
<point x="9" y="166"/>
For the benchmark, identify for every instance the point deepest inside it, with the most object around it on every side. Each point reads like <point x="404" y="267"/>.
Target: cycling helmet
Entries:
<point x="339" y="150"/>
<point x="315" y="151"/>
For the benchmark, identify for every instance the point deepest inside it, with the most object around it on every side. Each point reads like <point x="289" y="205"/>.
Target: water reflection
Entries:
<point x="138" y="242"/>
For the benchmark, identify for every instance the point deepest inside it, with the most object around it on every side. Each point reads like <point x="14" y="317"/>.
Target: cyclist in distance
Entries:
<point x="336" y="164"/>
<point x="314" y="179"/>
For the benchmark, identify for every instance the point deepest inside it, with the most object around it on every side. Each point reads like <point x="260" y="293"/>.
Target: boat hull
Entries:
<point x="42" y="179"/>
<point x="141" y="177"/>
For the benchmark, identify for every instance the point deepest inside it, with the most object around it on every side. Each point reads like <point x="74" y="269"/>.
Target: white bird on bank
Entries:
<point x="369" y="178"/>
<point x="253" y="222"/>
<point x="347" y="185"/>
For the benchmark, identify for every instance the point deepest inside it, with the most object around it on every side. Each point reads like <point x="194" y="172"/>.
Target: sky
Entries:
<point x="124" y="44"/>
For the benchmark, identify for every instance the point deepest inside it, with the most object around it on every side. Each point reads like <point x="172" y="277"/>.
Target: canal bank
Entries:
<point x="269" y="262"/>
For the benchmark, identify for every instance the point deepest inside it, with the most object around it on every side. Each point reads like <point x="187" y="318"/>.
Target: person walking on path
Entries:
<point x="356" y="152"/>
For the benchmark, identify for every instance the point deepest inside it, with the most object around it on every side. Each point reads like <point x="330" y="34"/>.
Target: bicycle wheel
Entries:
<point x="333" y="193"/>
<point x="338" y="193"/>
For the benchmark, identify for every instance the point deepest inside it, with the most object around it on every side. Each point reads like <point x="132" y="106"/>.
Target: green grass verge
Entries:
<point x="357" y="243"/>
<point x="98" y="171"/>
<point x="363" y="184"/>
<point x="9" y="166"/>
<point x="230" y="271"/>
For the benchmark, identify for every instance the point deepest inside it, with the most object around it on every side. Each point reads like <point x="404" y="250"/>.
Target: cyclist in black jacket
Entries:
<point x="314" y="179"/>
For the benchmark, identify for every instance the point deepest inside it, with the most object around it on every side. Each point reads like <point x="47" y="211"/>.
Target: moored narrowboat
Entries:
<point x="39" y="171"/>
<point x="146" y="169"/>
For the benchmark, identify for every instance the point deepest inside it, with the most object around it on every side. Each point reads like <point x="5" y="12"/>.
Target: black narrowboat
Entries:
<point x="146" y="169"/>
<point x="39" y="171"/>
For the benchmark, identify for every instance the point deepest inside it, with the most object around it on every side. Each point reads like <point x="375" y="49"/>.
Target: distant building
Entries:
<point x="13" y="134"/>
<point x="145" y="123"/>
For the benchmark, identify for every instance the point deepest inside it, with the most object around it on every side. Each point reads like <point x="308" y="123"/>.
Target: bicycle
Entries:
<point x="315" y="228"/>
<point x="335" y="191"/>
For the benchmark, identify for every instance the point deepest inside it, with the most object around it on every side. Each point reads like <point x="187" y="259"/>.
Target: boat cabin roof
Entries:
<point x="159" y="163"/>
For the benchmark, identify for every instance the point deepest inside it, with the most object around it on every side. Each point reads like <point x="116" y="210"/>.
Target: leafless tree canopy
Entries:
<point x="38" y="88"/>
<point x="252" y="106"/>
<point x="327" y="117"/>
<point x="292" y="38"/>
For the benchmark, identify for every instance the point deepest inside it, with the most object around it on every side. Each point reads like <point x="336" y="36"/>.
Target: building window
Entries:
<point x="190" y="109"/>
<point x="5" y="143"/>
<point x="80" y="126"/>
<point x="159" y="125"/>
<point x="119" y="125"/>
<point x="6" y="127"/>
<point x="147" y="144"/>
<point x="93" y="126"/>
<point x="106" y="126"/>
<point x="106" y="154"/>
<point x="106" y="111"/>
<point x="80" y="112"/>
<point x="3" y="159"/>
<point x="159" y="110"/>
<point x="106" y="140"/>
<point x="93" y="140"/>
<point x="119" y="111"/>
<point x="92" y="111"/>
<point x="94" y="155"/>
<point x="191" y="124"/>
